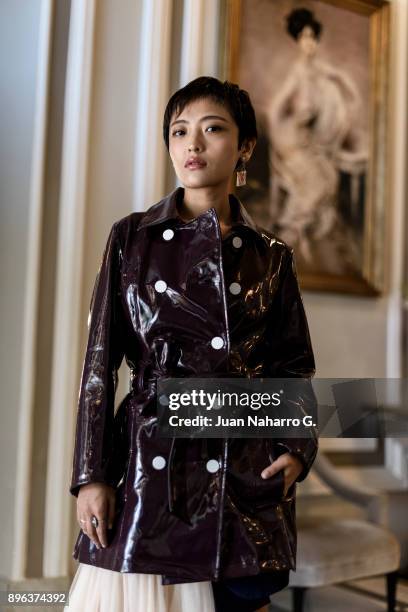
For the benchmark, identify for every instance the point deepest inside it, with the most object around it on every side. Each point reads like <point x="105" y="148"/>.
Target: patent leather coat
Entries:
<point x="163" y="300"/>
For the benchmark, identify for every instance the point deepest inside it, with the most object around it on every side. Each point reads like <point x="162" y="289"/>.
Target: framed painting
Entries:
<point x="316" y="72"/>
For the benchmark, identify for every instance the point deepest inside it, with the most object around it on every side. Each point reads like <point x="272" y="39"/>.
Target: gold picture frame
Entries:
<point x="242" y="39"/>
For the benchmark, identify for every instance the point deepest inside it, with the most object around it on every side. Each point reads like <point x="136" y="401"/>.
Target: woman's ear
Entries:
<point x="247" y="148"/>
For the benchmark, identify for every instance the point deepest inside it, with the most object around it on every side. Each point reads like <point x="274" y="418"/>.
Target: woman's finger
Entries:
<point x="285" y="482"/>
<point x="276" y="465"/>
<point x="92" y="533"/>
<point x="111" y="511"/>
<point x="101" y="529"/>
<point x="82" y="522"/>
<point x="100" y="512"/>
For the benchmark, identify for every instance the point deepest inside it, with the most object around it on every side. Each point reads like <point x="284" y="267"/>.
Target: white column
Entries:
<point x="192" y="51"/>
<point x="153" y="92"/>
<point x="57" y="532"/>
<point x="22" y="488"/>
<point x="200" y="41"/>
<point x="199" y="51"/>
<point x="395" y="449"/>
<point x="398" y="164"/>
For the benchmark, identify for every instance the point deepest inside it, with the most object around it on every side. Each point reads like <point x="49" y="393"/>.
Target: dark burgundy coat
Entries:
<point x="173" y="516"/>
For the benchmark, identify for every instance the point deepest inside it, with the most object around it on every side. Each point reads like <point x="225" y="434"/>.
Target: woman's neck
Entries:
<point x="197" y="201"/>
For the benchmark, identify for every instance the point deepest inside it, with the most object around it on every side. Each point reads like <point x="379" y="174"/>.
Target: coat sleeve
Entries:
<point x="94" y="437"/>
<point x="290" y="355"/>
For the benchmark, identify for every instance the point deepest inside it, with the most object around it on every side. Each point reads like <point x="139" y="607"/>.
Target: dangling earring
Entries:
<point x="241" y="174"/>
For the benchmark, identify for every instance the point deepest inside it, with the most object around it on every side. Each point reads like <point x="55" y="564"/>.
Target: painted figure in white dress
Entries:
<point x="315" y="133"/>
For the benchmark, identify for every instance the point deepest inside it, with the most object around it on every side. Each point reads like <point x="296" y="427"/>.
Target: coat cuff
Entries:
<point x="100" y="478"/>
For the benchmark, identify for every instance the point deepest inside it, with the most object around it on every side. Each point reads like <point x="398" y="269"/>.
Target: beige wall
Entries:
<point x="349" y="335"/>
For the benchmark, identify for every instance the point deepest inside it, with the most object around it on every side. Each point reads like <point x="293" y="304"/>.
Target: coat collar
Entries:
<point x="166" y="209"/>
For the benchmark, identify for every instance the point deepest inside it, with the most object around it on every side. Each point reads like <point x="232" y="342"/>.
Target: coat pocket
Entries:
<point x="247" y="459"/>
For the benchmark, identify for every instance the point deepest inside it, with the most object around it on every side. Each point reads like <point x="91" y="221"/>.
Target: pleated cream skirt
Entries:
<point x="95" y="589"/>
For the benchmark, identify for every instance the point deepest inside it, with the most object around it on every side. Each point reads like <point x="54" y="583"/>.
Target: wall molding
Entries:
<point x="199" y="44"/>
<point x="153" y="78"/>
<point x="398" y="164"/>
<point x="57" y="532"/>
<point x="32" y="281"/>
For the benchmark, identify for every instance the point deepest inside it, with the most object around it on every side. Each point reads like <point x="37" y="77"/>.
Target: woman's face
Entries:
<point x="307" y="42"/>
<point x="206" y="130"/>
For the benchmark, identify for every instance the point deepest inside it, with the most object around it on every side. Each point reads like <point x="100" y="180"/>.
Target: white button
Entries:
<point x="168" y="234"/>
<point x="217" y="342"/>
<point x="160" y="286"/>
<point x="212" y="466"/>
<point x="159" y="462"/>
<point x="237" y="242"/>
<point x="235" y="288"/>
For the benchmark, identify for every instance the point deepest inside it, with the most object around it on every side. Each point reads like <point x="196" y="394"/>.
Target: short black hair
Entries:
<point x="227" y="94"/>
<point x="299" y="19"/>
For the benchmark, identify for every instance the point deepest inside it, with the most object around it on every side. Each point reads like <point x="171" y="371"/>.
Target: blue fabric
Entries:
<point x="248" y="593"/>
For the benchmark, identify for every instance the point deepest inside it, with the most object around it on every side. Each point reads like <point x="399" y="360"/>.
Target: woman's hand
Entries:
<point x="96" y="499"/>
<point x="291" y="466"/>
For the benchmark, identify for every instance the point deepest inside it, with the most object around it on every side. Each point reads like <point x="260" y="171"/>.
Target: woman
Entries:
<point x="189" y="288"/>
<point x="315" y="132"/>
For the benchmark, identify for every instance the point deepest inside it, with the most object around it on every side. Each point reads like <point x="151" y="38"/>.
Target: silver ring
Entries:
<point x="94" y="521"/>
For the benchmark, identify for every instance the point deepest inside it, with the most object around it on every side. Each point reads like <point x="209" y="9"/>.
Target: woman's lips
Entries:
<point x="195" y="166"/>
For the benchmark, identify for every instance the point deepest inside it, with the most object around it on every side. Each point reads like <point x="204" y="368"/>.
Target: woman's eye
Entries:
<point x="212" y="127"/>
